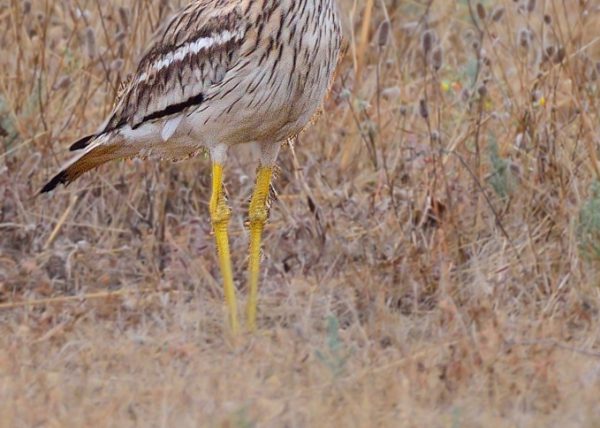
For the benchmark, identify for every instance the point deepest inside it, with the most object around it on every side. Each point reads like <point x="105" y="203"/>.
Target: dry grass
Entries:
<point x="432" y="259"/>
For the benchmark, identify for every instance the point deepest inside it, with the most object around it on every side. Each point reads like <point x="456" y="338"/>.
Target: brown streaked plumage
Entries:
<point x="216" y="74"/>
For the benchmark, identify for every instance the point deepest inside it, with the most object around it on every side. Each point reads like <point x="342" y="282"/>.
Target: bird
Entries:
<point x="216" y="74"/>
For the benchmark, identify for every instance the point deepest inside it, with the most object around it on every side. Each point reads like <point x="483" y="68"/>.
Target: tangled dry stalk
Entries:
<point x="432" y="259"/>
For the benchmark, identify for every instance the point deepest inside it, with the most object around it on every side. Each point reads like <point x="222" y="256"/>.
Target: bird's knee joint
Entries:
<point x="258" y="215"/>
<point x="220" y="213"/>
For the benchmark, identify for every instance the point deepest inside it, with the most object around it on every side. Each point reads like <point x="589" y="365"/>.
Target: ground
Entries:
<point x="432" y="256"/>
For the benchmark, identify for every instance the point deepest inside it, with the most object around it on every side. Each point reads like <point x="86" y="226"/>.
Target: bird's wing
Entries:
<point x="189" y="53"/>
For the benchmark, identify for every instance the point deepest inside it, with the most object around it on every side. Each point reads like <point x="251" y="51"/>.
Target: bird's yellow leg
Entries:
<point x="258" y="213"/>
<point x="220" y="214"/>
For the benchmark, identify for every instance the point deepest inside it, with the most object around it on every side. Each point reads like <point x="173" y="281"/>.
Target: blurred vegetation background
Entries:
<point x="432" y="258"/>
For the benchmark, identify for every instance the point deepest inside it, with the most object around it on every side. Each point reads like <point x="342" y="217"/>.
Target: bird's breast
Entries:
<point x="283" y="74"/>
<point x="303" y="60"/>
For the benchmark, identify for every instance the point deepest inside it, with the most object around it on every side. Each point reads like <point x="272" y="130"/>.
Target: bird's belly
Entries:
<point x="278" y="117"/>
<point x="282" y="110"/>
<point x="147" y="142"/>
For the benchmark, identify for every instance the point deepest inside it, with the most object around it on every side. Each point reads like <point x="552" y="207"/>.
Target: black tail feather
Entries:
<point x="88" y="160"/>
<point x="60" y="178"/>
<point x="81" y="143"/>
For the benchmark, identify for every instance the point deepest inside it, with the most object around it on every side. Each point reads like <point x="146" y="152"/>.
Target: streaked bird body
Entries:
<point x="216" y="74"/>
<point x="223" y="72"/>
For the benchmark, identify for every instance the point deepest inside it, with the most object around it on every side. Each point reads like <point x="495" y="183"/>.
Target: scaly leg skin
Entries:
<point x="258" y="213"/>
<point x="220" y="214"/>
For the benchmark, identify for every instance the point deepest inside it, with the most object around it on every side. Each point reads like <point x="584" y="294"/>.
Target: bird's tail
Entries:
<point x="97" y="150"/>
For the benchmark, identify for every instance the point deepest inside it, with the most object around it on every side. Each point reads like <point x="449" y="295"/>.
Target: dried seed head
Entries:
<point x="481" y="11"/>
<point x="124" y="18"/>
<point x="423" y="110"/>
<point x="482" y="91"/>
<point x="437" y="57"/>
<point x="465" y="95"/>
<point x="498" y="13"/>
<point x="26" y="7"/>
<point x="547" y="19"/>
<point x="90" y="42"/>
<point x="427" y="40"/>
<point x="384" y="33"/>
<point x="561" y="53"/>
<point x="117" y="64"/>
<point x="62" y="83"/>
<point x="530" y="6"/>
<point x="524" y="38"/>
<point x="121" y="50"/>
<point x="550" y="51"/>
